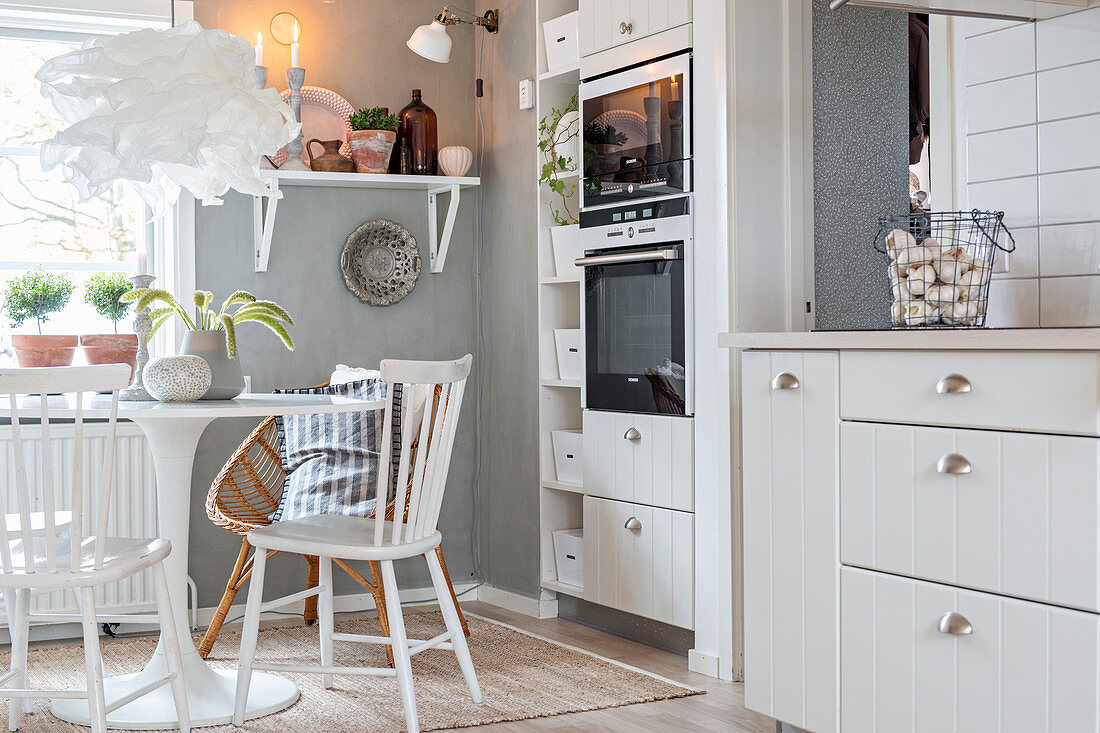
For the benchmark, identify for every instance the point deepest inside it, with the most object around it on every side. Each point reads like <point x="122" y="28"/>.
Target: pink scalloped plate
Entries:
<point x="324" y="116"/>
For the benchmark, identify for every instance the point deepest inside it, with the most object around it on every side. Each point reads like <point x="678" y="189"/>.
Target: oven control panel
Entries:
<point x="623" y="224"/>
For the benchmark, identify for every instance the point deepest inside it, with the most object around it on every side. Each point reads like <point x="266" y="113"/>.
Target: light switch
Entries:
<point x="527" y="94"/>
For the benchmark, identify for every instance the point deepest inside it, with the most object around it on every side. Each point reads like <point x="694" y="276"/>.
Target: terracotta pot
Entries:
<point x="111" y="348"/>
<point x="36" y="350"/>
<point x="330" y="160"/>
<point x="370" y="149"/>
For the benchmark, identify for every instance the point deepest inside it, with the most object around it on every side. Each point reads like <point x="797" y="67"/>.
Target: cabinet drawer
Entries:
<point x="1022" y="522"/>
<point x="1025" y="668"/>
<point x="644" y="459"/>
<point x="1046" y="392"/>
<point x="640" y="560"/>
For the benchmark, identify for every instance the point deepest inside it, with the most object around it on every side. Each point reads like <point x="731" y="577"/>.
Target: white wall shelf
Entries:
<point x="575" y="591"/>
<point x="567" y="383"/>
<point x="566" y="75"/>
<point x="263" y="227"/>
<point x="555" y="280"/>
<point x="563" y="486"/>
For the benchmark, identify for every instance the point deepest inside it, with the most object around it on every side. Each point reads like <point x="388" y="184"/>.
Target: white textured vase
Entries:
<point x="455" y="160"/>
<point x="177" y="378"/>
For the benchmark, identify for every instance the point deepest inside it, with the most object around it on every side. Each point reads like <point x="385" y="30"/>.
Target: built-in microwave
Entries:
<point x="638" y="325"/>
<point x="636" y="133"/>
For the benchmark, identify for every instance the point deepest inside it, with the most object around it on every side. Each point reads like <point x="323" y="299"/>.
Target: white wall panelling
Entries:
<point x="1027" y="668"/>
<point x="790" y="534"/>
<point x="1022" y="523"/>
<point x="647" y="571"/>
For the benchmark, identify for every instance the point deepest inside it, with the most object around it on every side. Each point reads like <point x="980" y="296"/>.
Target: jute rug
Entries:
<point x="521" y="677"/>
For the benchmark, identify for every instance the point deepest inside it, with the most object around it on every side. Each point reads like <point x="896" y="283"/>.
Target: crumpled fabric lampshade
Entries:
<point x="165" y="110"/>
<point x="432" y="42"/>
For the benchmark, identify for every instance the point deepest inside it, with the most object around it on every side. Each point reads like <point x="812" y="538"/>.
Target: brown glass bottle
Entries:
<point x="419" y="134"/>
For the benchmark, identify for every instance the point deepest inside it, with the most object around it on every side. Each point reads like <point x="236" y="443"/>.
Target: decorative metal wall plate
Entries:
<point x="380" y="262"/>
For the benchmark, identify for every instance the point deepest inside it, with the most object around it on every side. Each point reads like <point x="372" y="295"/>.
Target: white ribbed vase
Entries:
<point x="455" y="160"/>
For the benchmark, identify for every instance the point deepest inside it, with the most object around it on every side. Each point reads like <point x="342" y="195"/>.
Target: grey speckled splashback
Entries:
<point x="861" y="126"/>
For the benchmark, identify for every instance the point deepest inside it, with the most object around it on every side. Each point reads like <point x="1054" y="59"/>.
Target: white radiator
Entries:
<point x="133" y="499"/>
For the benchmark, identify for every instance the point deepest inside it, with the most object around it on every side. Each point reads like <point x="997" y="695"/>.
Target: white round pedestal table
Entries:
<point x="173" y="432"/>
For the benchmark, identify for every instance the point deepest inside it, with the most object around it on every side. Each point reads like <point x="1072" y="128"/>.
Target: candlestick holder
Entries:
<point x="143" y="324"/>
<point x="295" y="78"/>
<point x="261" y="83"/>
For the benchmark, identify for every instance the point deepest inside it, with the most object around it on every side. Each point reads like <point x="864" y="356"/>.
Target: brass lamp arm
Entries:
<point x="449" y="16"/>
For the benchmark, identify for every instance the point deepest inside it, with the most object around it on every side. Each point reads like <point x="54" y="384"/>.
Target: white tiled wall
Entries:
<point x="1032" y="117"/>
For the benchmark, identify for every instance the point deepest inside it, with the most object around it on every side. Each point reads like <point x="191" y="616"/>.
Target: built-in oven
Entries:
<point x="636" y="133"/>
<point x="638" y="307"/>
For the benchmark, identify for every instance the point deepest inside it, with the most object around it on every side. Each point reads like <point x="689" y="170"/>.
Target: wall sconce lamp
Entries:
<point x="432" y="42"/>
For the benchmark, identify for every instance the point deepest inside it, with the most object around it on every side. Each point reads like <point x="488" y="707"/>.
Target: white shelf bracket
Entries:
<point x="439" y="245"/>
<point x="263" y="224"/>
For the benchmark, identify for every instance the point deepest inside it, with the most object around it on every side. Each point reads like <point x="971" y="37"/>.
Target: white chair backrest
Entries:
<point x="434" y="437"/>
<point x="26" y="392"/>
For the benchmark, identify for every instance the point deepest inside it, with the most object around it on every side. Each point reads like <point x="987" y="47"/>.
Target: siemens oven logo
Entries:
<point x="632" y="379"/>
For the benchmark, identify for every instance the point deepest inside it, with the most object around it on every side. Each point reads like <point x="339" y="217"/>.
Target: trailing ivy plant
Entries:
<point x="554" y="162"/>
<point x="102" y="292"/>
<point x="374" y="118"/>
<point x="37" y="294"/>
<point x="249" y="308"/>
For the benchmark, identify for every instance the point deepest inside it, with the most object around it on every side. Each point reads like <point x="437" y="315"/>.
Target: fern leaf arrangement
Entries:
<point x="240" y="307"/>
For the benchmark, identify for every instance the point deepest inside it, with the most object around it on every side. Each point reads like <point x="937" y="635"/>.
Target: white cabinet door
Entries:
<point x="643" y="459"/>
<point x="1025" y="668"/>
<point x="1022" y="520"/>
<point x="608" y="23"/>
<point x="790" y="435"/>
<point x="594" y="24"/>
<point x="645" y="566"/>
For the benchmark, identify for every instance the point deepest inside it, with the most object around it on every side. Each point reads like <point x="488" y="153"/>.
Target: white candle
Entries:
<point x="294" y="46"/>
<point x="143" y="263"/>
<point x="259" y="49"/>
<point x="675" y="90"/>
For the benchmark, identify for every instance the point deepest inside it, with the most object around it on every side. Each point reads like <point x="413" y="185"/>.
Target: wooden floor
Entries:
<point x="721" y="709"/>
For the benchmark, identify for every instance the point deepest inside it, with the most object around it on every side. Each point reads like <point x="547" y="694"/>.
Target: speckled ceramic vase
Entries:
<point x="177" y="378"/>
<point x="228" y="379"/>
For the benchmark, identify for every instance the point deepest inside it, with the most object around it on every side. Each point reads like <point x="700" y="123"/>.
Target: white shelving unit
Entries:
<point x="560" y="306"/>
<point x="263" y="227"/>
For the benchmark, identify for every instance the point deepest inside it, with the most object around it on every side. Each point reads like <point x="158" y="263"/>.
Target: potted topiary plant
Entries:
<point x="39" y="294"/>
<point x="604" y="144"/>
<point x="213" y="334"/>
<point x="557" y="145"/>
<point x="373" y="133"/>
<point x="102" y="292"/>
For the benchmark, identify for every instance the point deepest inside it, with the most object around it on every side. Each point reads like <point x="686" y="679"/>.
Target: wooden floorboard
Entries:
<point x="721" y="709"/>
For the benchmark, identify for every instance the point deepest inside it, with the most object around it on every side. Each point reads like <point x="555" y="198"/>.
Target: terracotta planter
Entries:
<point x="36" y="350"/>
<point x="370" y="149"/>
<point x="111" y="348"/>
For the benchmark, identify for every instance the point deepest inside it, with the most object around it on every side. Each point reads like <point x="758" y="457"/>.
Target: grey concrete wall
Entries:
<point x="861" y="157"/>
<point x="509" y="481"/>
<point x="358" y="50"/>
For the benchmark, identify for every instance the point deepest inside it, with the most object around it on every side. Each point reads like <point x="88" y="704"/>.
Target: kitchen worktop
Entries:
<point x="988" y="339"/>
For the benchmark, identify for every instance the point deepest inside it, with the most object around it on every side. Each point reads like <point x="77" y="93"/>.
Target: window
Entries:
<point x="41" y="223"/>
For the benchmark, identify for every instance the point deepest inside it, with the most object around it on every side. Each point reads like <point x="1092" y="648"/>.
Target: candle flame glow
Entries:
<point x="259" y="37"/>
<point x="297" y="30"/>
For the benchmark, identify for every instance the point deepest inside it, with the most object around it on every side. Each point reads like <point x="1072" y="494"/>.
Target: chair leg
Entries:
<point x="231" y="588"/>
<point x="451" y="588"/>
<point x="326" y="618"/>
<point x="170" y="637"/>
<point x="249" y="635"/>
<point x="309" y="613"/>
<point x="379" y="593"/>
<point x="17" y="604"/>
<point x="400" y="647"/>
<point x="450" y="615"/>
<point x="97" y="706"/>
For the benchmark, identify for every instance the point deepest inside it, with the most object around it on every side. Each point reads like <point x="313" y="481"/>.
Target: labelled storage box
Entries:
<point x="567" y="341"/>
<point x="569" y="556"/>
<point x="566" y="244"/>
<point x="560" y="38"/>
<point x="567" y="455"/>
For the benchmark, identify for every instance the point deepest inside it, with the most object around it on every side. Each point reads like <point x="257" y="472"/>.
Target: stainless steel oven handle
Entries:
<point x="651" y="256"/>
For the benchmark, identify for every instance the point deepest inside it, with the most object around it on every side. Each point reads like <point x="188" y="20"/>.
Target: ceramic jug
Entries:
<point x="330" y="160"/>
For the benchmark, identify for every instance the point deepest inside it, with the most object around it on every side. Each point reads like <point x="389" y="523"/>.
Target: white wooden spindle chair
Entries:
<point x="50" y="551"/>
<point x="374" y="539"/>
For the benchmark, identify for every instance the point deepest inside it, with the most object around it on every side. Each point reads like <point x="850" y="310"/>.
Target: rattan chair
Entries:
<point x="243" y="497"/>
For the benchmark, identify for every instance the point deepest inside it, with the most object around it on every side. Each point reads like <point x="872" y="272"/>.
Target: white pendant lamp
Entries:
<point x="432" y="42"/>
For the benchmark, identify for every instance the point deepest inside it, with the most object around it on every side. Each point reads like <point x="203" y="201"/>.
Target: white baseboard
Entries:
<point x="703" y="663"/>
<point x="533" y="607"/>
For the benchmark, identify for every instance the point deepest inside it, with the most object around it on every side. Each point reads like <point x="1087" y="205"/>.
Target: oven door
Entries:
<point x="636" y="338"/>
<point x="637" y="133"/>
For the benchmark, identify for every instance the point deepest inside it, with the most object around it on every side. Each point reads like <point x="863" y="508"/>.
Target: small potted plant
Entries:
<point x="213" y="334"/>
<point x="373" y="134"/>
<point x="102" y="292"/>
<point x="556" y="142"/>
<point x="604" y="144"/>
<point x="39" y="294"/>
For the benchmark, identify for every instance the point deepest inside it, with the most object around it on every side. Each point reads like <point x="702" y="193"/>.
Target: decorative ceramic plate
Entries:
<point x="380" y="262"/>
<point x="631" y="124"/>
<point x="324" y="116"/>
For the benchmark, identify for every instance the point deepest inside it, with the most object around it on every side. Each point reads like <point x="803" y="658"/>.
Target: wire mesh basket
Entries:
<point x="940" y="265"/>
